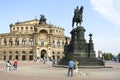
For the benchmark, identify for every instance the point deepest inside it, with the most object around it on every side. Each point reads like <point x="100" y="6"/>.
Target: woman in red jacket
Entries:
<point x="15" y="64"/>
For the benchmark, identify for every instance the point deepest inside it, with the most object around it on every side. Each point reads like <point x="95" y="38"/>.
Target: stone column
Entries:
<point x="20" y="55"/>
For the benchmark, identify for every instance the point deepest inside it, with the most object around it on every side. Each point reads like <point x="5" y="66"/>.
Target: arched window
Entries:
<point x="31" y="55"/>
<point x="63" y="44"/>
<point x="58" y="43"/>
<point x="53" y="43"/>
<point x="10" y="42"/>
<point x="23" y="55"/>
<point x="42" y="42"/>
<point x="53" y="55"/>
<point x="31" y="42"/>
<point x="4" y="53"/>
<point x="23" y="41"/>
<point x="5" y="42"/>
<point x="17" y="41"/>
<point x="26" y="27"/>
<point x="10" y="55"/>
<point x="16" y="55"/>
<point x="58" y="53"/>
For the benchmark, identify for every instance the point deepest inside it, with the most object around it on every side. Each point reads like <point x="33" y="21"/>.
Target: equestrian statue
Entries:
<point x="77" y="16"/>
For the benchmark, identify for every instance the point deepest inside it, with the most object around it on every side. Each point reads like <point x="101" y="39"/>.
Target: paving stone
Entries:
<point x="40" y="71"/>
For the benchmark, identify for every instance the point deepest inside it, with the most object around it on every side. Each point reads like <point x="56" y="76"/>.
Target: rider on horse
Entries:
<point x="77" y="16"/>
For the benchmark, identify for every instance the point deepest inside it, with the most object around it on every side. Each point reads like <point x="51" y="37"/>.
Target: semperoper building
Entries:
<point x="32" y="39"/>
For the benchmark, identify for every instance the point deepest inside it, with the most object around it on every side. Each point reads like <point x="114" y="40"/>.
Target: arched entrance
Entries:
<point x="43" y="53"/>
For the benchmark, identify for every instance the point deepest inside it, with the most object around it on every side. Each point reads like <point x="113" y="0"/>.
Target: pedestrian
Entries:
<point x="53" y="61"/>
<point x="44" y="60"/>
<point x="35" y="59"/>
<point x="70" y="67"/>
<point x="15" y="64"/>
<point x="103" y="61"/>
<point x="76" y="68"/>
<point x="8" y="65"/>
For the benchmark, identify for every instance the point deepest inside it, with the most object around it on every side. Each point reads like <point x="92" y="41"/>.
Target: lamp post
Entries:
<point x="90" y="46"/>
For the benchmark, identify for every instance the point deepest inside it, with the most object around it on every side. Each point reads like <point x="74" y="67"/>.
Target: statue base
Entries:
<point x="78" y="49"/>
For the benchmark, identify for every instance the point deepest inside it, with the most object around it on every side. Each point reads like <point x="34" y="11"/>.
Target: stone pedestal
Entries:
<point x="80" y="50"/>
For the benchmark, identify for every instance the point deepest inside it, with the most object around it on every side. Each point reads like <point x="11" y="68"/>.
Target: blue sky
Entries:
<point x="100" y="17"/>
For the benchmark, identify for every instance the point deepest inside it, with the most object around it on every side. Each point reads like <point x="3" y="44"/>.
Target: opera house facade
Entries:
<point x="32" y="39"/>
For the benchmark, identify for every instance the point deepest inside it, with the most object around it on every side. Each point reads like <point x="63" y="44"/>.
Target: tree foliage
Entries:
<point x="107" y="56"/>
<point x="118" y="55"/>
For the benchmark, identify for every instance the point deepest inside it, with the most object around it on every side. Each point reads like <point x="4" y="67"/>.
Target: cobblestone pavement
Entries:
<point x="40" y="71"/>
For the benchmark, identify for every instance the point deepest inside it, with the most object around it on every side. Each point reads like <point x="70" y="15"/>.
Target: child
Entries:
<point x="8" y="65"/>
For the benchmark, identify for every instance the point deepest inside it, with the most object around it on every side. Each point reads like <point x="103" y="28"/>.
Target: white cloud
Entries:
<point x="110" y="9"/>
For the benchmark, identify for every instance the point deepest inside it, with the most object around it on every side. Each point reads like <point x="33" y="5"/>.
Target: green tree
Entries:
<point x="107" y="56"/>
<point x="118" y="55"/>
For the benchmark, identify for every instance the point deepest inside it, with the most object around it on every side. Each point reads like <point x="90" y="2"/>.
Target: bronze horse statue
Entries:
<point x="77" y="16"/>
